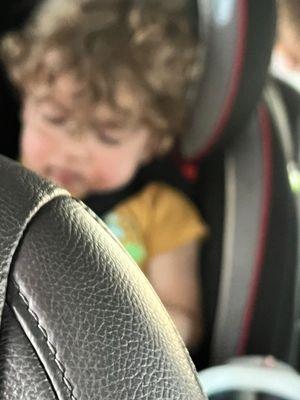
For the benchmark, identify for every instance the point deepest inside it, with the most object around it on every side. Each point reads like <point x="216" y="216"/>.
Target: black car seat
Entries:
<point x="249" y="266"/>
<point x="235" y="158"/>
<point x="79" y="320"/>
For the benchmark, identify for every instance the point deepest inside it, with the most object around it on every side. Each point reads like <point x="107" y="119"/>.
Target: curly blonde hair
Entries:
<point x="147" y="45"/>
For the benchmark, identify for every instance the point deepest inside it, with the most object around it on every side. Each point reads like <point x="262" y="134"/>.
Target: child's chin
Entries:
<point x="104" y="188"/>
<point x="112" y="187"/>
<point x="77" y="192"/>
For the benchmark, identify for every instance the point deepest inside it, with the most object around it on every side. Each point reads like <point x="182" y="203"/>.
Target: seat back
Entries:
<point x="250" y="264"/>
<point x="259" y="255"/>
<point x="242" y="188"/>
<point x="239" y="36"/>
<point x="80" y="320"/>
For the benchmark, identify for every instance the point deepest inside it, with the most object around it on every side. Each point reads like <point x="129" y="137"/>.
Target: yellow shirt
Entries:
<point x="156" y="220"/>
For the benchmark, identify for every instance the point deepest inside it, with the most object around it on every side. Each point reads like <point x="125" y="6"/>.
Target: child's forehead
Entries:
<point x="67" y="89"/>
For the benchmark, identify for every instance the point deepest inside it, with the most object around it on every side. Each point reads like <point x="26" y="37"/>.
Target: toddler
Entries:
<point x="103" y="90"/>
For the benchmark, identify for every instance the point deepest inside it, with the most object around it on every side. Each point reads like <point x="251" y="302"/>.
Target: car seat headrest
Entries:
<point x="239" y="37"/>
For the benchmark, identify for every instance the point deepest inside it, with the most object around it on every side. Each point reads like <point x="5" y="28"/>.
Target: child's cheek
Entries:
<point x="35" y="148"/>
<point x="114" y="172"/>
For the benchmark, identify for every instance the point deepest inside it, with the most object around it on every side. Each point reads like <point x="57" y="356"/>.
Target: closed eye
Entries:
<point x="105" y="135"/>
<point x="55" y="120"/>
<point x="107" y="138"/>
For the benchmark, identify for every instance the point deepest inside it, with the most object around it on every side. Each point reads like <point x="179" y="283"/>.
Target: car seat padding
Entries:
<point x="233" y="29"/>
<point x="229" y="90"/>
<point x="244" y="207"/>
<point x="96" y="326"/>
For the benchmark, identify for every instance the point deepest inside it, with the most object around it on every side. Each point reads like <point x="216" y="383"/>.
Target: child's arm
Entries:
<point x="174" y="276"/>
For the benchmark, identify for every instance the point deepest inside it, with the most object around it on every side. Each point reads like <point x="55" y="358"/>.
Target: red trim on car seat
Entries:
<point x="265" y="124"/>
<point x="237" y="69"/>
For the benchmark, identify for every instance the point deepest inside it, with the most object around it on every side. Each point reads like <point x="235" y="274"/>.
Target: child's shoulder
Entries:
<point x="167" y="216"/>
<point x="162" y="215"/>
<point x="161" y="204"/>
<point x="162" y="195"/>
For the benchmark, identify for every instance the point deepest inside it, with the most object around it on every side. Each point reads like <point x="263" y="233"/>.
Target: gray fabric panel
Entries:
<point x="244" y="191"/>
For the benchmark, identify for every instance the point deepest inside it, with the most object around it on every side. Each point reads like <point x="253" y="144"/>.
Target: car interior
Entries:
<point x="111" y="339"/>
<point x="243" y="156"/>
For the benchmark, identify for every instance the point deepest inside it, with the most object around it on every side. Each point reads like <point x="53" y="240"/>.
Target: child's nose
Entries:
<point x="74" y="128"/>
<point x="75" y="147"/>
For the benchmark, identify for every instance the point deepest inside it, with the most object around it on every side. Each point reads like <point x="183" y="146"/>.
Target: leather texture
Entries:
<point x="81" y="321"/>
<point x="21" y="195"/>
<point x="21" y="374"/>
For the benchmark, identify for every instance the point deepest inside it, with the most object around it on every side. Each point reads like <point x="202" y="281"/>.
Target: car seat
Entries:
<point x="235" y="154"/>
<point x="78" y="319"/>
<point x="235" y="158"/>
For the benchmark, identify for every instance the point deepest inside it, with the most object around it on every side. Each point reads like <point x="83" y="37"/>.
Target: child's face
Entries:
<point x="80" y="151"/>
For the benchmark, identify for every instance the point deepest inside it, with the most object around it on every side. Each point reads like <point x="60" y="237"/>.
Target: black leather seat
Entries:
<point x="80" y="321"/>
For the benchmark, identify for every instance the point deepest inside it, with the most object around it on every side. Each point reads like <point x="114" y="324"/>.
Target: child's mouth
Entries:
<point x="64" y="177"/>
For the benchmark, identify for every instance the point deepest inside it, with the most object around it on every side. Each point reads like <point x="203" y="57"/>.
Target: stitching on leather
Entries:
<point x="49" y="344"/>
<point x="98" y="220"/>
